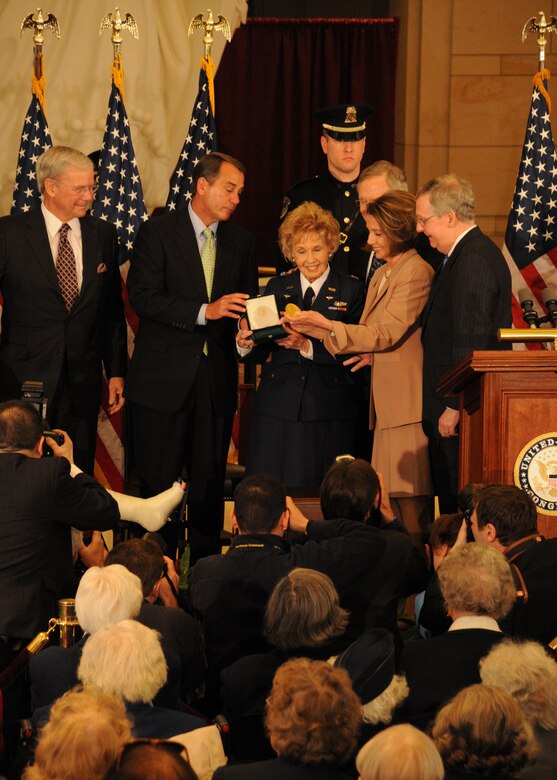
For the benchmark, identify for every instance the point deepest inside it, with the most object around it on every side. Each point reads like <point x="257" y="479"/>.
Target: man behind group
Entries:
<point x="376" y="180"/>
<point x="63" y="317"/>
<point x="230" y="591"/>
<point x="190" y="276"/>
<point x="470" y="298"/>
<point x="343" y="141"/>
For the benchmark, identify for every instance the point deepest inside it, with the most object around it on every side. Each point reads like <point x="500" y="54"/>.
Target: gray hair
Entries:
<point x="477" y="579"/>
<point x="126" y="660"/>
<point x="450" y="193"/>
<point x="395" y="176"/>
<point x="52" y="163"/>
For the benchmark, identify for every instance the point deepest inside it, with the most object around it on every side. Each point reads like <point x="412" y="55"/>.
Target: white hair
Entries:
<point x="126" y="660"/>
<point x="400" y="753"/>
<point x="107" y="594"/>
<point x="526" y="671"/>
<point x="380" y="709"/>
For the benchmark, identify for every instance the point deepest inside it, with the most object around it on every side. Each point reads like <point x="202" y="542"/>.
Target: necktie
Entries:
<point x="208" y="256"/>
<point x="65" y="268"/>
<point x="308" y="298"/>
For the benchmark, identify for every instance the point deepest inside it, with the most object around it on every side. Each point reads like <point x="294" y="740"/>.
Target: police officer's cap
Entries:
<point x="345" y="122"/>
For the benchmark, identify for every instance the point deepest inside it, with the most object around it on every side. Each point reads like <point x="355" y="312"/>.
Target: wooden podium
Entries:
<point x="508" y="423"/>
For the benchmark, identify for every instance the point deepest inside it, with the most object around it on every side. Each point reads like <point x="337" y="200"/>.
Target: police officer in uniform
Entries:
<point x="343" y="141"/>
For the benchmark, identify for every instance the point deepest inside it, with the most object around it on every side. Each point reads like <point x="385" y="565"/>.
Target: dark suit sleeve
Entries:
<point x="352" y="290"/>
<point x="114" y="346"/>
<point x="346" y="549"/>
<point x="81" y="501"/>
<point x="150" y="281"/>
<point x="479" y="282"/>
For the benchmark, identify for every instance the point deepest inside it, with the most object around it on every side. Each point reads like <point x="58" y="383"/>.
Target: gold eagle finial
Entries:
<point x="209" y="26"/>
<point x="38" y="23"/>
<point x="114" y="22"/>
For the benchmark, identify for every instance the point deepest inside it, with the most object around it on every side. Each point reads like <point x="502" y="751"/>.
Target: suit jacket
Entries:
<point x="470" y="299"/>
<point x="279" y="769"/>
<point x="167" y="288"/>
<point x="389" y="327"/>
<point x="438" y="668"/>
<point x="38" y="333"/>
<point x="319" y="389"/>
<point x="39" y="502"/>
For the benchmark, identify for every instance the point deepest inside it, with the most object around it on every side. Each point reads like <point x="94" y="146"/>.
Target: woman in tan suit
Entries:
<point x="388" y="339"/>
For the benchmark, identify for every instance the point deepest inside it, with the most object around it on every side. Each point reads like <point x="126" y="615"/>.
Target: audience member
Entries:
<point x="478" y="589"/>
<point x="180" y="637"/>
<point x="400" y="753"/>
<point x="230" y="591"/>
<point x="82" y="738"/>
<point x="431" y="613"/>
<point x="126" y="660"/>
<point x="525" y="670"/>
<point x="104" y="596"/>
<point x="303" y="618"/>
<point x="153" y="759"/>
<point x="483" y="733"/>
<point x="352" y="490"/>
<point x="313" y="716"/>
<point x="505" y="518"/>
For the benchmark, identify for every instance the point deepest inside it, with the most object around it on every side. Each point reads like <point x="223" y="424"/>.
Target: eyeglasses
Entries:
<point x="175" y="748"/>
<point x="82" y="190"/>
<point x="421" y="222"/>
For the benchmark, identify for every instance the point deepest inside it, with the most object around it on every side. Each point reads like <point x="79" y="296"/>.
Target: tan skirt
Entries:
<point x="401" y="455"/>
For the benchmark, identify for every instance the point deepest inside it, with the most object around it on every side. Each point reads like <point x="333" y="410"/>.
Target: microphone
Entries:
<point x="549" y="296"/>
<point x="529" y="315"/>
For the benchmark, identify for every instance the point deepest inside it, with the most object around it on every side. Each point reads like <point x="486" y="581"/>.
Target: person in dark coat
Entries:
<point x="63" y="316"/>
<point x="478" y="588"/>
<point x="308" y="405"/>
<point x="506" y="519"/>
<point x="230" y="592"/>
<point x="469" y="300"/>
<point x="343" y="141"/>
<point x="303" y="618"/>
<point x="190" y="275"/>
<point x="313" y="717"/>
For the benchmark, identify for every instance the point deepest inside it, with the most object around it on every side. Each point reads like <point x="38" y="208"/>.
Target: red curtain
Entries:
<point x="272" y="77"/>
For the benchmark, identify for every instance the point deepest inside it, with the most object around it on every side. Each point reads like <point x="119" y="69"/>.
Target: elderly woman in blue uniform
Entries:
<point x="307" y="406"/>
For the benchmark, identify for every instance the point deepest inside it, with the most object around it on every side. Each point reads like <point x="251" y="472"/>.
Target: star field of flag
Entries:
<point x="35" y="139"/>
<point x="201" y="139"/>
<point x="119" y="198"/>
<point x="531" y="235"/>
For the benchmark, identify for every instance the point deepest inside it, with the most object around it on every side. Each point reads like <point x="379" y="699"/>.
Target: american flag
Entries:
<point x="35" y="139"/>
<point x="531" y="237"/>
<point x="119" y="199"/>
<point x="201" y="139"/>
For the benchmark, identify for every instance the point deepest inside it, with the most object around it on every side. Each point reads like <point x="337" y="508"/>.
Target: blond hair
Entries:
<point x="84" y="734"/>
<point x="308" y="218"/>
<point x="400" y="753"/>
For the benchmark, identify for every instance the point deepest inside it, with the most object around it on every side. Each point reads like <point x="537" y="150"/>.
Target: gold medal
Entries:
<point x="291" y="310"/>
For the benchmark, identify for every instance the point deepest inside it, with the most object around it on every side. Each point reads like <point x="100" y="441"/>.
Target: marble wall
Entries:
<point x="463" y="94"/>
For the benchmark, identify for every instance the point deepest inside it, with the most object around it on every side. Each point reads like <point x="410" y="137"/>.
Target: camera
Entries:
<point x="33" y="392"/>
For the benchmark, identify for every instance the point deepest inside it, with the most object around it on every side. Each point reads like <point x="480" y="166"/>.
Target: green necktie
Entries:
<point x="208" y="256"/>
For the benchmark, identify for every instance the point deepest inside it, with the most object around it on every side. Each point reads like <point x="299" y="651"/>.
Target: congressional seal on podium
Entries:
<point x="535" y="471"/>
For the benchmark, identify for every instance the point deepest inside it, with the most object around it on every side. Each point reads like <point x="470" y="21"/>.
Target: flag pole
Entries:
<point x="35" y="136"/>
<point x="201" y="137"/>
